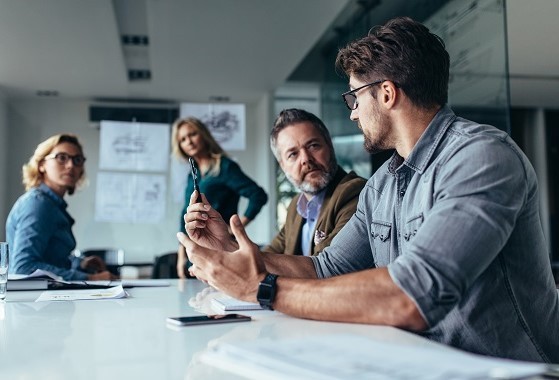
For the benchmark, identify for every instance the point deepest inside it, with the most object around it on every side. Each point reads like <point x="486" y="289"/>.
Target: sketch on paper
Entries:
<point x="129" y="144"/>
<point x="130" y="198"/>
<point x="226" y="122"/>
<point x="134" y="146"/>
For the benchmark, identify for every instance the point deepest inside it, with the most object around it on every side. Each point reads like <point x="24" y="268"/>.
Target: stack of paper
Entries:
<point x="38" y="280"/>
<point x="357" y="357"/>
<point x="231" y="304"/>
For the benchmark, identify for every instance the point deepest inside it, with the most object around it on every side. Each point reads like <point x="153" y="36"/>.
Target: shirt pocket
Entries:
<point x="380" y="233"/>
<point x="411" y="227"/>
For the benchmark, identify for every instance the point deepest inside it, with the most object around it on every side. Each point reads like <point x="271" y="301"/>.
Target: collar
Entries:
<point x="424" y="149"/>
<point x="60" y="202"/>
<point x="307" y="208"/>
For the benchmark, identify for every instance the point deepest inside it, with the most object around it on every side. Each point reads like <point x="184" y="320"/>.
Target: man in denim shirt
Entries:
<point x="446" y="239"/>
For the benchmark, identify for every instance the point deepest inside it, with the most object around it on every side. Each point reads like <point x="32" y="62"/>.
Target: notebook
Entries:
<point x="232" y="304"/>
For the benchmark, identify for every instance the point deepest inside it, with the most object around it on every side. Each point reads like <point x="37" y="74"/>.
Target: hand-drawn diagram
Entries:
<point x="225" y="121"/>
<point x="129" y="144"/>
<point x="134" y="146"/>
<point x="130" y="197"/>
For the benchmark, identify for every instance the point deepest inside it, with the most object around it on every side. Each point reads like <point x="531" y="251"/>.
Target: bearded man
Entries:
<point x="303" y="147"/>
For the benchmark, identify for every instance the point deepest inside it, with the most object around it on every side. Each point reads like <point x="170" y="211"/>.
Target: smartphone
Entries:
<point x="207" y="319"/>
<point x="194" y="171"/>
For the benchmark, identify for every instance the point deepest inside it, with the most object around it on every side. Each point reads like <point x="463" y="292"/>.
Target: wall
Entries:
<point x="32" y="121"/>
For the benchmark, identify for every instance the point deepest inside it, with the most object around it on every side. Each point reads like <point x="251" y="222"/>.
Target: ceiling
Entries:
<point x="198" y="49"/>
<point x="202" y="49"/>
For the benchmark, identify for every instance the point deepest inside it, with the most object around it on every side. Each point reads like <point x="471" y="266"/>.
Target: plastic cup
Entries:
<point x="4" y="258"/>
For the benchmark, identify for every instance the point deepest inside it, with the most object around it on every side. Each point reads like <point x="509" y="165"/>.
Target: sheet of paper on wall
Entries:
<point x="130" y="197"/>
<point x="134" y="146"/>
<point x="357" y="357"/>
<point x="226" y="122"/>
<point x="85" y="294"/>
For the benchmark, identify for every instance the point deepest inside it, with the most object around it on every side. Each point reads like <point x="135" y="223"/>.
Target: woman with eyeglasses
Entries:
<point x="220" y="179"/>
<point x="38" y="228"/>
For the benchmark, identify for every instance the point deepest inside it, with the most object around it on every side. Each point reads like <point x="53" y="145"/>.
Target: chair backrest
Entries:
<point x="113" y="257"/>
<point x="165" y="266"/>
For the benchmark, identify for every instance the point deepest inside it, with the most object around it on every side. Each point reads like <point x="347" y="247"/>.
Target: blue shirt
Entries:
<point x="309" y="211"/>
<point x="457" y="224"/>
<point x="39" y="234"/>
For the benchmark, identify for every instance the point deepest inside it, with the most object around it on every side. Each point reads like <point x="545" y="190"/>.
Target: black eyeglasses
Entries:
<point x="62" y="158"/>
<point x="350" y="98"/>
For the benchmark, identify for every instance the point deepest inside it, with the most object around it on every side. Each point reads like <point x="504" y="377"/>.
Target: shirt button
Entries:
<point x="402" y="193"/>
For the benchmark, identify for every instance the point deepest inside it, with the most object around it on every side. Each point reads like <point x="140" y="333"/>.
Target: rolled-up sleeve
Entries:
<point x="474" y="211"/>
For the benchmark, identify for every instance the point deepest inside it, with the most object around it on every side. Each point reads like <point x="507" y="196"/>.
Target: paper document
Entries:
<point x="38" y="274"/>
<point x="130" y="283"/>
<point x="232" y="304"/>
<point x="83" y="294"/>
<point x="357" y="357"/>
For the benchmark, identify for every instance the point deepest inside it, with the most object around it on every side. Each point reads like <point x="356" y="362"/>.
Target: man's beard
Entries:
<point x="380" y="143"/>
<point x="326" y="176"/>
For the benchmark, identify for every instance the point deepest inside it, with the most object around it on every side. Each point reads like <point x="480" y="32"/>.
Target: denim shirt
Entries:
<point x="457" y="224"/>
<point x="39" y="234"/>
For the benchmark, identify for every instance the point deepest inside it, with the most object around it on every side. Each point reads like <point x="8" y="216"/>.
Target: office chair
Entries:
<point x="165" y="266"/>
<point x="114" y="258"/>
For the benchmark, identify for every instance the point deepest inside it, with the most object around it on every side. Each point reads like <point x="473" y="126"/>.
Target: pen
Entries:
<point x="195" y="178"/>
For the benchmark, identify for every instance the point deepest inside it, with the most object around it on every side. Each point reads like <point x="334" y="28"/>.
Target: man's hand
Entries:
<point x="205" y="226"/>
<point x="236" y="273"/>
<point x="181" y="262"/>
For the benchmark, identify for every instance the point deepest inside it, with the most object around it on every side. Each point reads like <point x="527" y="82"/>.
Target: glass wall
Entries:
<point x="474" y="32"/>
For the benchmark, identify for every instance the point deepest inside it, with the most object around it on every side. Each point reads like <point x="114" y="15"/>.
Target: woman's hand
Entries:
<point x="93" y="264"/>
<point x="105" y="275"/>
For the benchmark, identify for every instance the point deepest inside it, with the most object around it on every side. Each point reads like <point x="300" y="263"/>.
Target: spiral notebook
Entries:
<point x="232" y="304"/>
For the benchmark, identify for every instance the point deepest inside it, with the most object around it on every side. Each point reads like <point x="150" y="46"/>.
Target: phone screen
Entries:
<point x="207" y="319"/>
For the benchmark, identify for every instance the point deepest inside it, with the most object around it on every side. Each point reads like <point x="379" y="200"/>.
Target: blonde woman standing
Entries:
<point x="221" y="179"/>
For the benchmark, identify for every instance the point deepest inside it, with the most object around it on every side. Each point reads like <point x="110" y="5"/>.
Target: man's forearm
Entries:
<point x="363" y="297"/>
<point x="289" y="265"/>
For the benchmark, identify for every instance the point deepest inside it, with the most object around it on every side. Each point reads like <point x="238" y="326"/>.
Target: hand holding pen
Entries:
<point x="194" y="172"/>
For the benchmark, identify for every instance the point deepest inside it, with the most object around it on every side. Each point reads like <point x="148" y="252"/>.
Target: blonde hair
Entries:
<point x="32" y="176"/>
<point x="214" y="151"/>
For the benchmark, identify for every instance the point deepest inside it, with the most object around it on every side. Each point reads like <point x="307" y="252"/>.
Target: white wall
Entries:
<point x="32" y="121"/>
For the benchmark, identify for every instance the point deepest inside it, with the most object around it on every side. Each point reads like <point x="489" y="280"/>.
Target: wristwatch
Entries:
<point x="267" y="291"/>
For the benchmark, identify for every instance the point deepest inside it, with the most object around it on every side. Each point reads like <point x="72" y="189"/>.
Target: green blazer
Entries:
<point x="340" y="202"/>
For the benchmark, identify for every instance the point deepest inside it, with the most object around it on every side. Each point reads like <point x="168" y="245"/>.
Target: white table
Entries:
<point x="130" y="339"/>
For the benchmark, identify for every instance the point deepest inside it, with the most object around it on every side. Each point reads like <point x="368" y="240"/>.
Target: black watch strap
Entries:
<point x="267" y="291"/>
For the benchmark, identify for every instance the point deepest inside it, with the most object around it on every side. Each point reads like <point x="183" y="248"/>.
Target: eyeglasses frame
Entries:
<point x="352" y="92"/>
<point x="73" y="158"/>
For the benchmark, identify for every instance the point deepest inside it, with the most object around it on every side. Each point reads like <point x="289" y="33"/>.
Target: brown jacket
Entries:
<point x="340" y="202"/>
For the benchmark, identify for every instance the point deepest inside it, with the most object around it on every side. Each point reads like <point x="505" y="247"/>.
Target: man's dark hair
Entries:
<point x="292" y="116"/>
<point x="404" y="52"/>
